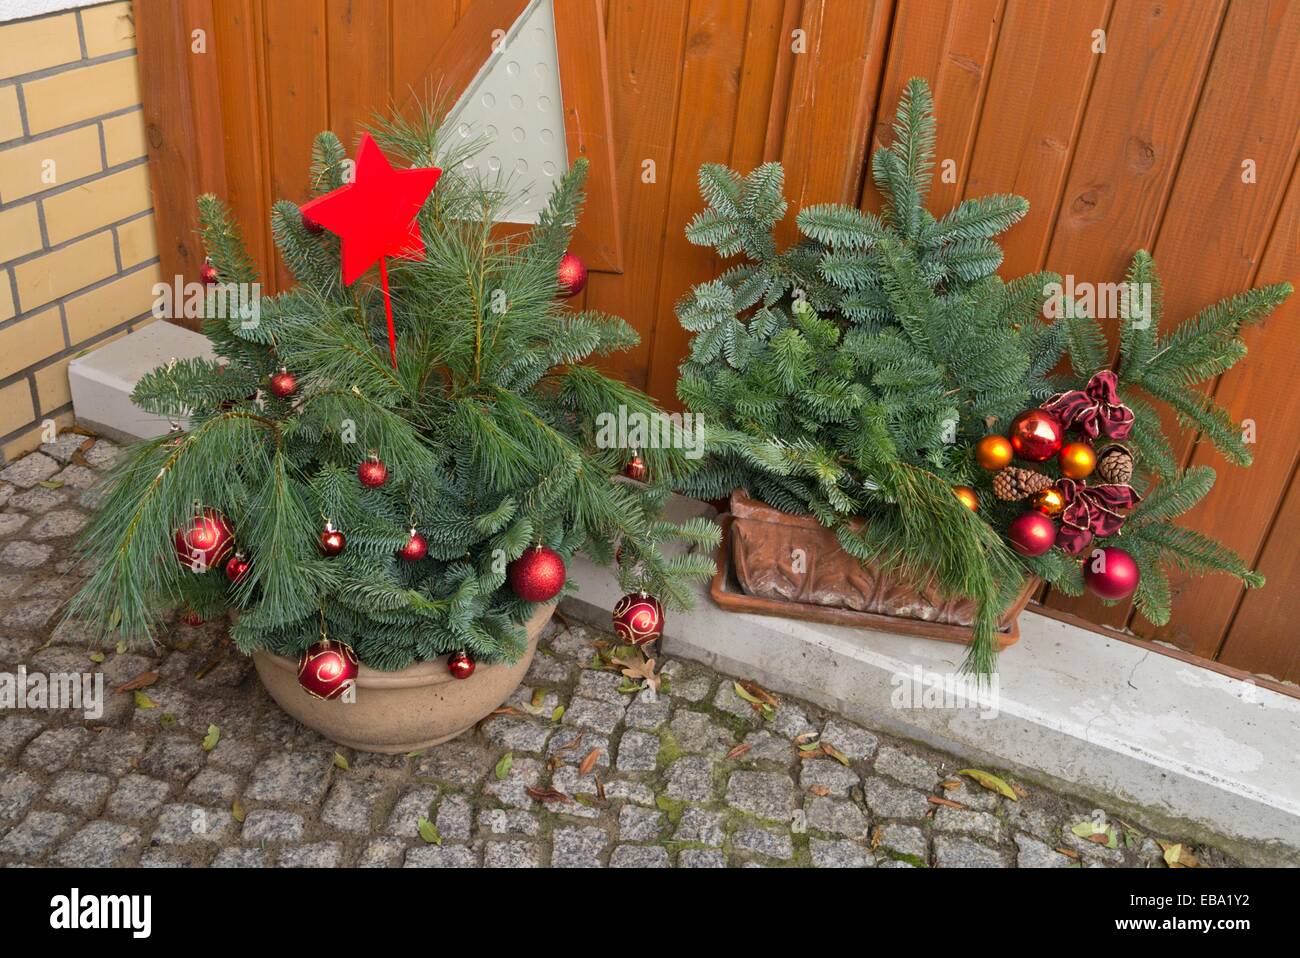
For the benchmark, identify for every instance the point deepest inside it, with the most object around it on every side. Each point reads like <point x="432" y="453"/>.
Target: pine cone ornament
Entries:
<point x="1013" y="483"/>
<point x="1115" y="465"/>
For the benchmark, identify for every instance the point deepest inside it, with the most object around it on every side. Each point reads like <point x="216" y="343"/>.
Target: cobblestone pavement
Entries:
<point x="692" y="778"/>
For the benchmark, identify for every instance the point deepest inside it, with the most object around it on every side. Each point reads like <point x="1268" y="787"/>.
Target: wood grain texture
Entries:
<point x="1135" y="129"/>
<point x="645" y="49"/>
<point x="706" y="122"/>
<point x="950" y="44"/>
<point x="359" y="45"/>
<point x="832" y="104"/>
<point x="1025" y="142"/>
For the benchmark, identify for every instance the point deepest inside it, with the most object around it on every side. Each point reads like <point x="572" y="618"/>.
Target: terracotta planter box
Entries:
<point x="404" y="711"/>
<point x="757" y="573"/>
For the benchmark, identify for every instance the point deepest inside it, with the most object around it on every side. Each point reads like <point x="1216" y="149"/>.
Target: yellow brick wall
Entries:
<point x="78" y="255"/>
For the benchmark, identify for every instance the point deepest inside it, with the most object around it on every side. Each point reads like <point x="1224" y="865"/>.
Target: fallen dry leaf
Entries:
<point x="644" y="669"/>
<point x="1068" y="852"/>
<point x="740" y="750"/>
<point x="589" y="762"/>
<point x="600" y="789"/>
<point x="760" y="693"/>
<point x="804" y="737"/>
<point x="946" y="803"/>
<point x="991" y="782"/>
<point x="821" y="791"/>
<point x="506" y="710"/>
<point x="571" y="744"/>
<point x="545" y="795"/>
<point x="877" y="836"/>
<point x="141" y="681"/>
<point x="951" y="783"/>
<point x="833" y="752"/>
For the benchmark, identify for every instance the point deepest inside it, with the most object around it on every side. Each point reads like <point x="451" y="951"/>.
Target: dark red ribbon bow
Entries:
<point x="1094" y="409"/>
<point x="1091" y="511"/>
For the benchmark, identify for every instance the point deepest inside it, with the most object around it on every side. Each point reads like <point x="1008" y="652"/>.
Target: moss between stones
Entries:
<point x="671" y="807"/>
<point x="669" y="750"/>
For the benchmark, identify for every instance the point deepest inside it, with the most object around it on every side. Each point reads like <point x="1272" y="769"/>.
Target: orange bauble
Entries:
<point x="993" y="452"/>
<point x="1048" y="501"/>
<point x="1077" y="460"/>
<point x="968" y="497"/>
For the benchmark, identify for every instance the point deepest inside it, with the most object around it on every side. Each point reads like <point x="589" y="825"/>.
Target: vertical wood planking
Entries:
<point x="645" y="51"/>
<point x="357" y="39"/>
<point x="832" y="103"/>
<point x="417" y="27"/>
<point x="296" y="96"/>
<point x="1036" y="98"/>
<point x="1137" y="124"/>
<point x="1211" y="244"/>
<point x="950" y="44"/>
<point x="764" y="41"/>
<point x="705" y="128"/>
<point x="238" y="26"/>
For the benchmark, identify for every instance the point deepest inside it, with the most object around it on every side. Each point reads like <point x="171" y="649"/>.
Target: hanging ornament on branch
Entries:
<point x="283" y="384"/>
<point x="237" y="568"/>
<point x="372" y="472"/>
<point x="635" y="468"/>
<point x="968" y="497"/>
<point x="1031" y="533"/>
<point x="205" y="542"/>
<point x="327" y="669"/>
<point x="993" y="453"/>
<point x="460" y="665"/>
<point x="208" y="274"/>
<point x="1076" y="460"/>
<point x="571" y="276"/>
<point x="375" y="216"/>
<point x="538" y="575"/>
<point x="416" y="548"/>
<point x="332" y="542"/>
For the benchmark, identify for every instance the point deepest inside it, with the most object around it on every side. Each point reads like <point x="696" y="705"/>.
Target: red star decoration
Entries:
<point x="374" y="216"/>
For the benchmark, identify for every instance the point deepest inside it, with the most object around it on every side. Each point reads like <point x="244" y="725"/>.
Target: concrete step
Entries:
<point x="102" y="379"/>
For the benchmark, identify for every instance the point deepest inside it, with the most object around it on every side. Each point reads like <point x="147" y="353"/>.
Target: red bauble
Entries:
<point x="416" y="548"/>
<point x="635" y="468"/>
<point x="237" y="567"/>
<point x="1036" y="435"/>
<point x="1031" y="533"/>
<point x="537" y="575"/>
<point x="1110" y="573"/>
<point x="332" y="542"/>
<point x="460" y="665"/>
<point x="191" y="618"/>
<point x="638" y="618"/>
<point x="283" y="384"/>
<point x="571" y="275"/>
<point x="327" y="669"/>
<point x="372" y="472"/>
<point x="208" y="274"/>
<point x="205" y="542"/>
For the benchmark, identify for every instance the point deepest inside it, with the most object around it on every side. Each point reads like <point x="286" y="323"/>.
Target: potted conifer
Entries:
<point x="383" y="480"/>
<point x="885" y="413"/>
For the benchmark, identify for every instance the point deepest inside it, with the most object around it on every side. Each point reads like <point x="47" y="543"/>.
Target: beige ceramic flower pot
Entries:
<point x="402" y="711"/>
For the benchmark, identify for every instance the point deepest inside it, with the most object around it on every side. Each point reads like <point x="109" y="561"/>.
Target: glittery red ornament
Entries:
<point x="571" y="275"/>
<point x="537" y="575"/>
<point x="460" y="665"/>
<point x="416" y="548"/>
<point x="635" y="468"/>
<point x="638" y="618"/>
<point x="283" y="384"/>
<point x="237" y="567"/>
<point x="205" y="542"/>
<point x="327" y="669"/>
<point x="1031" y="533"/>
<point x="332" y="542"/>
<point x="191" y="618"/>
<point x="208" y="274"/>
<point x="372" y="472"/>
<point x="1110" y="573"/>
<point x="1036" y="435"/>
